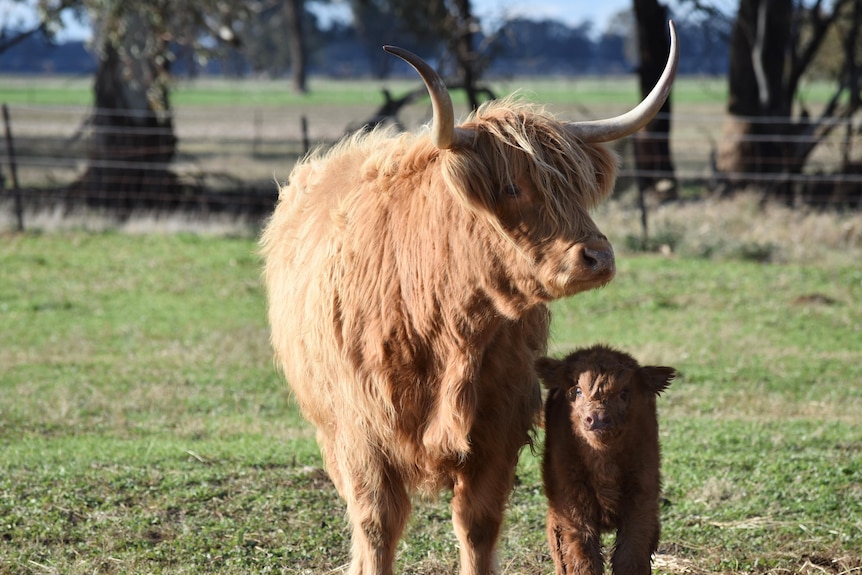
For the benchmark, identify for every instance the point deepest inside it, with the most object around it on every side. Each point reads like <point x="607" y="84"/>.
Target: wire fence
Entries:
<point x="230" y="159"/>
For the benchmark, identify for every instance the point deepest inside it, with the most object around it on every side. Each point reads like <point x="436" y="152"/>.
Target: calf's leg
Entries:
<point x="637" y="538"/>
<point x="576" y="551"/>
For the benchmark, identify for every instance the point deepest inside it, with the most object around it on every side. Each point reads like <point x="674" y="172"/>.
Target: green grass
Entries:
<point x="46" y="90"/>
<point x="586" y="91"/>
<point x="322" y="91"/>
<point x="144" y="428"/>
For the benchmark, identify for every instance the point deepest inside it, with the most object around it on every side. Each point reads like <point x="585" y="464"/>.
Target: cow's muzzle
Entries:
<point x="596" y="258"/>
<point x="583" y="266"/>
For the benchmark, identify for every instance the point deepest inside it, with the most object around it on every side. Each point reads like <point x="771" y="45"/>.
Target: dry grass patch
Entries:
<point x="739" y="228"/>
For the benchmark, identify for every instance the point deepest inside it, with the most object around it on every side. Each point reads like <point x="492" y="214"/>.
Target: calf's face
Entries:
<point x="606" y="392"/>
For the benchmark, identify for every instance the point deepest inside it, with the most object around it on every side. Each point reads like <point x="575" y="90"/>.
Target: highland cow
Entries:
<point x="601" y="459"/>
<point x="407" y="279"/>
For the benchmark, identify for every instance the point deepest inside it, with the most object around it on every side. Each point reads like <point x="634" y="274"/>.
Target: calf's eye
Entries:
<point x="624" y="395"/>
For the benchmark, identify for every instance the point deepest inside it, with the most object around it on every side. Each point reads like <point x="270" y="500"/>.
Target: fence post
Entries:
<point x="642" y="204"/>
<point x="305" y="142"/>
<point x="13" y="170"/>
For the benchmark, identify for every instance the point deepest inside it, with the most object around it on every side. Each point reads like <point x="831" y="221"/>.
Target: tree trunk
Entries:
<point x="293" y="10"/>
<point x="464" y="51"/>
<point x="653" y="159"/>
<point x="848" y="193"/>
<point x="133" y="141"/>
<point x="759" y="106"/>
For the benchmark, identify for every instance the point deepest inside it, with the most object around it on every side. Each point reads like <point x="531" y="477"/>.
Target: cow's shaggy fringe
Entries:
<point x="510" y="131"/>
<point x="517" y="136"/>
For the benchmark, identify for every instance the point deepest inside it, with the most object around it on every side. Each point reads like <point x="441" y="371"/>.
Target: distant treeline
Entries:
<point x="522" y="47"/>
<point x="38" y="55"/>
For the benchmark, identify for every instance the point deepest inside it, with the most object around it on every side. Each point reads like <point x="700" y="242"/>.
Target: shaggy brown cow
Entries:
<point x="601" y="461"/>
<point x="407" y="277"/>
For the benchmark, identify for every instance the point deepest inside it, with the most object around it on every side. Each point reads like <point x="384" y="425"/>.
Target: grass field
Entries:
<point x="324" y="91"/>
<point x="145" y="429"/>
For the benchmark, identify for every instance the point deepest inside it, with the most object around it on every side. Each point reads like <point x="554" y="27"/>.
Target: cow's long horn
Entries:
<point x="443" y="131"/>
<point x="640" y="116"/>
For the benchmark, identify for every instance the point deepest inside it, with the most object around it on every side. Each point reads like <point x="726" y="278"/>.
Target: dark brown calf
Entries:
<point x="601" y="460"/>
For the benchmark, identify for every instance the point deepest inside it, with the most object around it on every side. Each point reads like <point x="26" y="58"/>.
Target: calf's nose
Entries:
<point x="596" y="421"/>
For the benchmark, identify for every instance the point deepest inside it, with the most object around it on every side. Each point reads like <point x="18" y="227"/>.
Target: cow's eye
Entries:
<point x="574" y="393"/>
<point x="512" y="190"/>
<point x="624" y="394"/>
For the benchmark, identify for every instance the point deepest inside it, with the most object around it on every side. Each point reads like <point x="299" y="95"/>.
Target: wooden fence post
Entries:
<point x="13" y="170"/>
<point x="305" y="141"/>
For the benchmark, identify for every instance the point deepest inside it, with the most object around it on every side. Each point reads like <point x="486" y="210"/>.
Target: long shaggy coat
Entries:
<point x="407" y="289"/>
<point x="601" y="459"/>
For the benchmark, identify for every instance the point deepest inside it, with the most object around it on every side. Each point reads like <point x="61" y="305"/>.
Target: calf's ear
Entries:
<point x="657" y="378"/>
<point x="548" y="368"/>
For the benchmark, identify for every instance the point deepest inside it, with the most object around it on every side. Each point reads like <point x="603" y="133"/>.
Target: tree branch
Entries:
<point x="817" y="131"/>
<point x="820" y="26"/>
<point x="757" y="56"/>
<point x="42" y="27"/>
<point x="6" y="45"/>
<point x="833" y="111"/>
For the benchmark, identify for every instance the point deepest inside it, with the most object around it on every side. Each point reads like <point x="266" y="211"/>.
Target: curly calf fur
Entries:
<point x="601" y="459"/>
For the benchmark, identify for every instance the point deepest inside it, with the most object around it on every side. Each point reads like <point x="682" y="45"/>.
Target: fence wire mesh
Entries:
<point x="231" y="158"/>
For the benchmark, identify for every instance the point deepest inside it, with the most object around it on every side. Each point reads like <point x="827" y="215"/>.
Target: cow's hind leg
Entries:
<point x="378" y="506"/>
<point x="479" y="499"/>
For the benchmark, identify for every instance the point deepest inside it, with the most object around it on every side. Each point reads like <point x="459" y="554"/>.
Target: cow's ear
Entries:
<point x="657" y="378"/>
<point x="547" y="368"/>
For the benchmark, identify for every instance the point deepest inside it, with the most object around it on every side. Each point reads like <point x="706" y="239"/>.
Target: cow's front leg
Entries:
<point x="378" y="506"/>
<point x="480" y="495"/>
